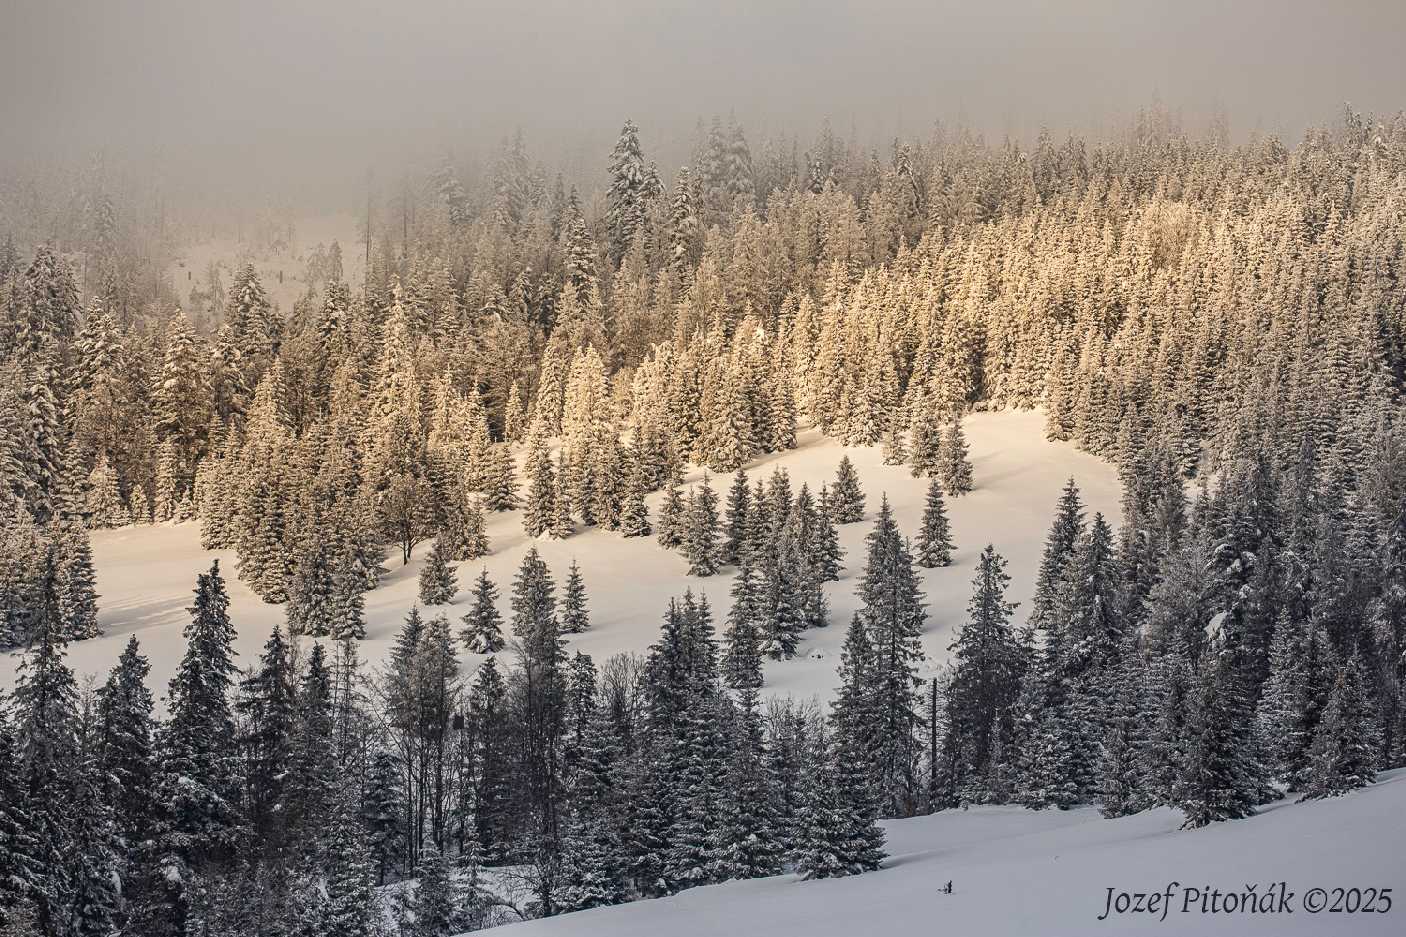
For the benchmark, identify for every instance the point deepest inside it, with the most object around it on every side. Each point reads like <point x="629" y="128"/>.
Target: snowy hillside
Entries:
<point x="1015" y="873"/>
<point x="146" y="574"/>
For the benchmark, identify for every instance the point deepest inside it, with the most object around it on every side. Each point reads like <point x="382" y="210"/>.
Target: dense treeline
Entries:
<point x="1223" y="319"/>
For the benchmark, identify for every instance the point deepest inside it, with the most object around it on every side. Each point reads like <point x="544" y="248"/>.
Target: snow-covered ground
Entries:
<point x="290" y="263"/>
<point x="1018" y="873"/>
<point x="146" y="574"/>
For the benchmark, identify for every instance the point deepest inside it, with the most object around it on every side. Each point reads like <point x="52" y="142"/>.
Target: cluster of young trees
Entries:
<point x="1227" y="670"/>
<point x="277" y="799"/>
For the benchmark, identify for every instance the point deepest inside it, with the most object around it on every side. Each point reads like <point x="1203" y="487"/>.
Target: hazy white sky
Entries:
<point x="284" y="83"/>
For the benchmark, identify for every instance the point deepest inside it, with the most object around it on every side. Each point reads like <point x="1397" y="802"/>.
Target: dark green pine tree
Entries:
<point x="47" y="756"/>
<point x="1121" y="786"/>
<point x="700" y="533"/>
<point x="593" y="872"/>
<point x="739" y="498"/>
<point x="94" y="866"/>
<point x="838" y="833"/>
<point x="893" y="614"/>
<point x="846" y="497"/>
<point x="542" y="711"/>
<point x="493" y="761"/>
<point x="988" y="671"/>
<point x="438" y="897"/>
<point x="1060" y="544"/>
<point x="483" y="625"/>
<point x="125" y="733"/>
<point x="438" y="580"/>
<point x="854" y="714"/>
<point x="634" y="513"/>
<point x="1347" y="744"/>
<point x="1167" y="705"/>
<point x="20" y="873"/>
<point x="954" y="467"/>
<point x="199" y="774"/>
<point x="827" y="538"/>
<point x="383" y="814"/>
<point x="935" y="535"/>
<point x="312" y="777"/>
<point x="747" y="839"/>
<point x="742" y="669"/>
<point x="670" y="529"/>
<point x="1289" y="707"/>
<point x="266" y="707"/>
<point x="1219" y="770"/>
<point x="350" y="909"/>
<point x="575" y="615"/>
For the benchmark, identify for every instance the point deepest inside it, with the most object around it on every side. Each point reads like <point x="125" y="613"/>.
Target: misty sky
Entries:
<point x="351" y="80"/>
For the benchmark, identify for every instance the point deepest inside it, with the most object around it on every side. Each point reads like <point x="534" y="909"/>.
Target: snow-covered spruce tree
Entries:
<point x="735" y="525"/>
<point x="925" y="447"/>
<point x="846" y="497"/>
<point x="1121" y="786"/>
<point x="700" y="534"/>
<point x="672" y="517"/>
<point x="437" y="898"/>
<point x="954" y="467"/>
<point x="1219" y="777"/>
<point x="473" y="538"/>
<point x="500" y="486"/>
<point x="483" y="624"/>
<point x="986" y="681"/>
<point x="628" y="193"/>
<point x="1065" y="532"/>
<point x="46" y="751"/>
<point x="935" y="535"/>
<point x="267" y="706"/>
<point x="1347" y="743"/>
<point x="575" y="616"/>
<point x="349" y="584"/>
<point x="198" y="772"/>
<point x="827" y="539"/>
<point x="893" y="613"/>
<point x="1289" y="708"/>
<point x="76" y="580"/>
<point x="634" y="512"/>
<point x="540" y="505"/>
<point x="838" y="833"/>
<point x="313" y="604"/>
<point x="123" y="746"/>
<point x="438" y="579"/>
<point x="560" y="525"/>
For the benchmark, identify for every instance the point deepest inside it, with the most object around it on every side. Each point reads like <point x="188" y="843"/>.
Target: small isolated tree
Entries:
<point x="483" y="625"/>
<point x="700" y="541"/>
<point x="438" y="581"/>
<point x="954" y="468"/>
<point x="671" y="517"/>
<point x="846" y="497"/>
<point x="935" y="536"/>
<point x="575" y="617"/>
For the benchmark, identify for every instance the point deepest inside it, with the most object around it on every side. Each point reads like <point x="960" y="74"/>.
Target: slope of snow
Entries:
<point x="1021" y="873"/>
<point x="146" y="574"/>
<point x="229" y="253"/>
